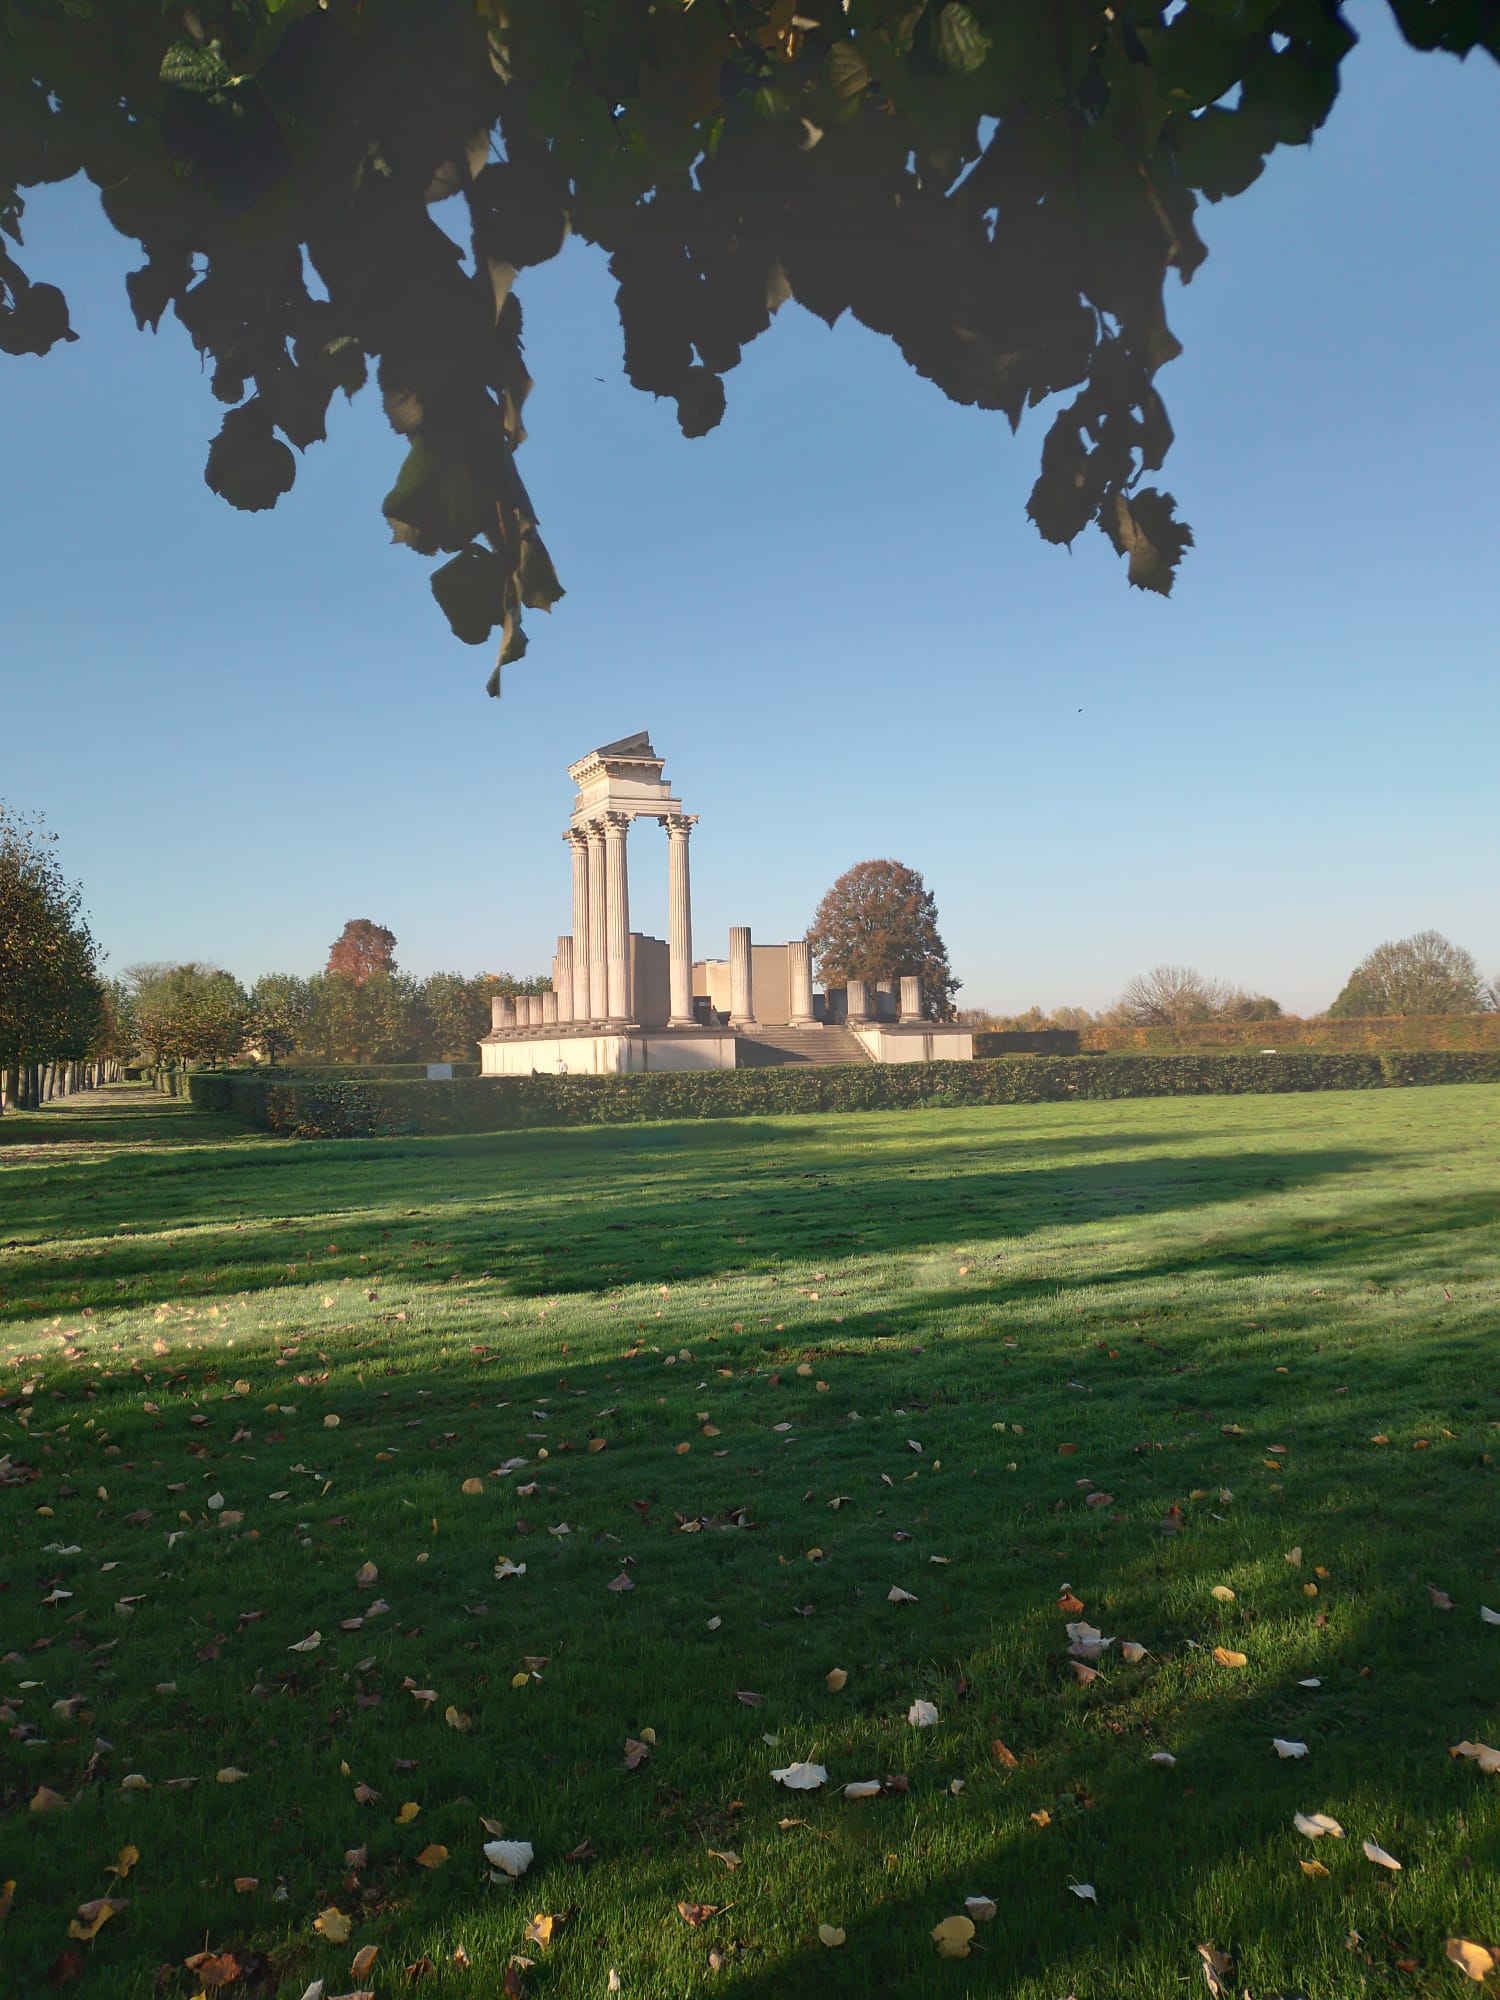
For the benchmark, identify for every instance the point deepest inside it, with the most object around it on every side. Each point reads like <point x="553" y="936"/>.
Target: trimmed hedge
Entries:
<point x="315" y="1110"/>
<point x="393" y="1072"/>
<point x="1371" y="1032"/>
<point x="1027" y="1041"/>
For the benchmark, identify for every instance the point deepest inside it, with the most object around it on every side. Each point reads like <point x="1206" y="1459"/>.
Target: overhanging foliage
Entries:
<point x="1001" y="186"/>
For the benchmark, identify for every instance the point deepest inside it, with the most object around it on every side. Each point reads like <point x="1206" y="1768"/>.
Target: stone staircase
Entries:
<point x="759" y="1047"/>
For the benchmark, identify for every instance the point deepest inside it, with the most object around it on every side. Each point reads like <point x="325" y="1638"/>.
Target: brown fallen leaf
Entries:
<point x="725" y="1854"/>
<point x="1069" y="1605"/>
<point x="214" y="1969"/>
<point x="472" y="1486"/>
<point x="621" y="1583"/>
<point x="45" y="1800"/>
<point x="1218" y="1970"/>
<point x="1006" y="1759"/>
<point x="7" y="1897"/>
<point x="1440" y="1599"/>
<point x="698" y="1913"/>
<point x="244" y="1885"/>
<point x="636" y="1753"/>
<point x="365" y="1576"/>
<point x="363" y="1959"/>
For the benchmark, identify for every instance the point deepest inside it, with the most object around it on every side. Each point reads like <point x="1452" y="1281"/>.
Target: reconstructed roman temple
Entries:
<point x="621" y="1001"/>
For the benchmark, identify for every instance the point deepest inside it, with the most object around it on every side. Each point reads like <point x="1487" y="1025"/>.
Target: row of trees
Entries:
<point x="1422" y="974"/>
<point x="56" y="1017"/>
<point x="361" y="1008"/>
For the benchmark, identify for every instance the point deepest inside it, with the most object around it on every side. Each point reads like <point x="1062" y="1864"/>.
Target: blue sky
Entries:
<point x="831" y="614"/>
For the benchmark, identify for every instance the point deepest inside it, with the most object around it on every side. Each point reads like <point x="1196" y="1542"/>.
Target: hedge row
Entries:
<point x="313" y="1110"/>
<point x="1027" y="1041"/>
<point x="1372" y="1032"/>
<point x="393" y="1072"/>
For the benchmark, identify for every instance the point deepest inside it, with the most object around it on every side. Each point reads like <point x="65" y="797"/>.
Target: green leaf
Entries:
<point x="247" y="465"/>
<point x="961" y="43"/>
<point x="846" y="71"/>
<point x="1143" y="527"/>
<point x="471" y="591"/>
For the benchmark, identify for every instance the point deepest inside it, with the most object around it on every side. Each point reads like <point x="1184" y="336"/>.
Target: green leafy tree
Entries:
<point x="280" y="1003"/>
<point x="1421" y="974"/>
<point x="51" y="1000"/>
<point x="375" y="1019"/>
<point x="191" y="1013"/>
<point x="879" y="921"/>
<point x="1003" y="189"/>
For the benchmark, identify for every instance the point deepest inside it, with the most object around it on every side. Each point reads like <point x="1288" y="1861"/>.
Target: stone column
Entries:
<point x="549" y="1009"/>
<point x="564" y="979"/>
<point x="741" y="983"/>
<point x="617" y="891"/>
<point x="679" y="921"/>
<point x="799" y="958"/>
<point x="857" y="1000"/>
<point x="502" y="1013"/>
<point x="911" y="997"/>
<point x="578" y="845"/>
<point x="598" y="925"/>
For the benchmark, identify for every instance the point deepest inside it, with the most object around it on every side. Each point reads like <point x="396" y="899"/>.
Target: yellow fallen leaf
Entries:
<point x="953" y="1937"/>
<point x="520" y="1680"/>
<point x="1042" y="1817"/>
<point x="835" y="1679"/>
<point x="330" y="1422"/>
<point x="432" y="1856"/>
<point x="1223" y="1593"/>
<point x="126" y="1860"/>
<point x="408" y="1813"/>
<point x="365" y="1576"/>
<point x="363" y="1959"/>
<point x="1224" y="1657"/>
<point x="93" y="1916"/>
<point x="45" y="1800"/>
<point x="541" y="1929"/>
<point x="456" y="1721"/>
<point x="831" y="1935"/>
<point x="333" y="1925"/>
<point x="229" y="1775"/>
<point x="1474" y="1960"/>
<point x="1313" y="1868"/>
<point x="472" y="1486"/>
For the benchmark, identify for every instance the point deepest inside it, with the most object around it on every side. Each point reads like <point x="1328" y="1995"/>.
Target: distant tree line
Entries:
<point x="1421" y="974"/>
<point x="360" y="1008"/>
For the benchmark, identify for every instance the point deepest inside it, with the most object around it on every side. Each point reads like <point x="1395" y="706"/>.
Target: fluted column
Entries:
<point x="680" y="920"/>
<point x="549" y="1008"/>
<point x="564" y="980"/>
<point x="502" y="1013"/>
<point x="598" y="925"/>
<point x="578" y="846"/>
<point x="741" y="982"/>
<point x="857" y="1000"/>
<point x="617" y="892"/>
<point x="799" y="964"/>
<point x="911" y="997"/>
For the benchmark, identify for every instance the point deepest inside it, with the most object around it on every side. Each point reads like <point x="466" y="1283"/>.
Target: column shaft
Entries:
<point x="564" y="980"/>
<point x="578" y="846"/>
<point x="857" y="1000"/>
<point x="741" y="981"/>
<point x="549" y="1007"/>
<point x="617" y="890"/>
<point x="598" y="926"/>
<point x="799" y="955"/>
<point x="911" y="997"/>
<point x="679" y="923"/>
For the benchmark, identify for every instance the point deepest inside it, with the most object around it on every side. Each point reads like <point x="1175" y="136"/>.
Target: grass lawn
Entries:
<point x="1114" y="1364"/>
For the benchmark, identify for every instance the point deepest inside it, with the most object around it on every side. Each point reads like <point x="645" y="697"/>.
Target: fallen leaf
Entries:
<point x="863" y="1788"/>
<point x="1379" y="1856"/>
<point x="1225" y="1596"/>
<point x="1315" y="1825"/>
<point x="801" y="1777"/>
<point x="895" y="1595"/>
<point x="1487" y="1759"/>
<point x="1294" y="1557"/>
<point x="244" y="1885"/>
<point x="1042" y="1817"/>
<point x="922" y="1715"/>
<point x="621" y="1583"/>
<point x="636" y="1753"/>
<point x="1084" y="1891"/>
<point x="953" y="1937"/>
<point x="835" y="1679"/>
<point x="1164" y="1758"/>
<point x="1474" y="1960"/>
<point x="831" y="1935"/>
<point x="7" y="1897"/>
<point x="124" y="1862"/>
<point x="363" y="1959"/>
<point x="1490" y="1618"/>
<point x="1315" y="1869"/>
<point x="1218" y="1970"/>
<point x="365" y="1576"/>
<point x="408" y="1813"/>
<point x="214" y="1969"/>
<point x="45" y="1800"/>
<point x="541" y="1929"/>
<point x="695" y="1914"/>
<point x="725" y="1854"/>
<point x="93" y="1916"/>
<point x="455" y="1720"/>
<point x="1224" y="1657"/>
<point x="357" y="1857"/>
<point x="1286" y="1748"/>
<point x="1439" y="1598"/>
<point x="229" y="1775"/>
<point x="471" y="1487"/>
<point x="1129" y="1650"/>
<point x="333" y="1925"/>
<point x="308" y="1645"/>
<point x="511" y="1857"/>
<point x="1006" y="1759"/>
<point x="981" y="1908"/>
